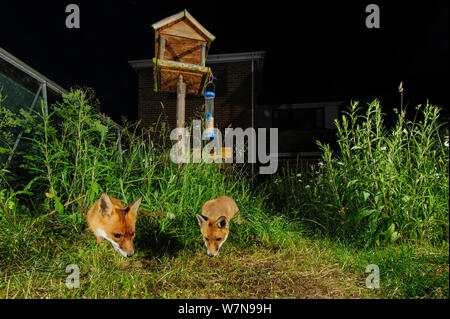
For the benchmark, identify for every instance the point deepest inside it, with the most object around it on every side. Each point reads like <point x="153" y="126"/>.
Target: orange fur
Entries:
<point x="108" y="219"/>
<point x="214" y="222"/>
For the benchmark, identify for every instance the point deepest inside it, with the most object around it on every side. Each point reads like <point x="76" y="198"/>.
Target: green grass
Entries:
<point x="305" y="236"/>
<point x="305" y="268"/>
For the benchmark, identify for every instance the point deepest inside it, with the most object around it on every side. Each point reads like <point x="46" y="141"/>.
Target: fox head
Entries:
<point x="117" y="225"/>
<point x="215" y="232"/>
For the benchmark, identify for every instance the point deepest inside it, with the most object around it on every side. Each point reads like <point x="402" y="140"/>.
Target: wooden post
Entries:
<point x="181" y="103"/>
<point x="181" y="107"/>
<point x="203" y="55"/>
<point x="162" y="47"/>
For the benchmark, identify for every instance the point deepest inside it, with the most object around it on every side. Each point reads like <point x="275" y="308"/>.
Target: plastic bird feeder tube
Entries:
<point x="209" y="116"/>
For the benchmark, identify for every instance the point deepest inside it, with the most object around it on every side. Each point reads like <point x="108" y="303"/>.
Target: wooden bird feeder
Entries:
<point x="181" y="46"/>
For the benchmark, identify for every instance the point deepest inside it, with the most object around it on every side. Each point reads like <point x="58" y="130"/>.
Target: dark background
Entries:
<point x="315" y="51"/>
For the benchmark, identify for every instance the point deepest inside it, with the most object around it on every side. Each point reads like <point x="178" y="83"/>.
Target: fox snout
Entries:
<point x="128" y="252"/>
<point x="211" y="254"/>
<point x="125" y="254"/>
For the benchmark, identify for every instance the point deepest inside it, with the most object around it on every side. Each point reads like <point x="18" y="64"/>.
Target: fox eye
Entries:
<point x="117" y="235"/>
<point x="218" y="239"/>
<point x="207" y="239"/>
<point x="132" y="234"/>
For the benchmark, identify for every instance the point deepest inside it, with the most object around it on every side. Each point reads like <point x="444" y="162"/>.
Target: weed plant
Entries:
<point x="382" y="186"/>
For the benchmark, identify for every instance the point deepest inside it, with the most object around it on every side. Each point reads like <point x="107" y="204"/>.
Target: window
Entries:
<point x="299" y="119"/>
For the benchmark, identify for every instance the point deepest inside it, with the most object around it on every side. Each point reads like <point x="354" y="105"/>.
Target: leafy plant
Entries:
<point x="383" y="185"/>
<point x="7" y="122"/>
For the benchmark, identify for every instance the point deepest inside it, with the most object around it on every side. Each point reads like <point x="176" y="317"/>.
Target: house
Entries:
<point x="181" y="60"/>
<point x="237" y="78"/>
<point x="238" y="85"/>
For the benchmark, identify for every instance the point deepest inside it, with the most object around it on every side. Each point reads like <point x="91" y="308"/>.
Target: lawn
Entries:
<point x="305" y="268"/>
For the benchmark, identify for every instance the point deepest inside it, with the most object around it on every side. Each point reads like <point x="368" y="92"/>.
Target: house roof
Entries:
<point x="257" y="56"/>
<point x="181" y="16"/>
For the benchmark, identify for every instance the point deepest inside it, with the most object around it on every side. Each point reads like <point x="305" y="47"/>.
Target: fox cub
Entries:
<point x="108" y="219"/>
<point x="214" y="222"/>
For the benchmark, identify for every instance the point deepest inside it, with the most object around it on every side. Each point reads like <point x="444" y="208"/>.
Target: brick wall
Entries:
<point x="232" y="106"/>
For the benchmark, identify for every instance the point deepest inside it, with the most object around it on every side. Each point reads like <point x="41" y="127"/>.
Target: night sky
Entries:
<point x="315" y="51"/>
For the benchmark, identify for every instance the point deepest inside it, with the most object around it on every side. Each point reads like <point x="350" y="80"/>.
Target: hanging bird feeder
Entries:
<point x="209" y="108"/>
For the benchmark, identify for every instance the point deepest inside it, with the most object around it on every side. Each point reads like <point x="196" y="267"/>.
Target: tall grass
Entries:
<point x="382" y="186"/>
<point x="75" y="154"/>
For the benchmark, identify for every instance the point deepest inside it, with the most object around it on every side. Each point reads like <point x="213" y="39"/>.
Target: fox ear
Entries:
<point x="201" y="220"/>
<point x="106" y="205"/>
<point x="133" y="208"/>
<point x="222" y="222"/>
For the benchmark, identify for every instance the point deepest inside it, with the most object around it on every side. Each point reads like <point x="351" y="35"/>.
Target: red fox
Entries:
<point x="109" y="219"/>
<point x="213" y="222"/>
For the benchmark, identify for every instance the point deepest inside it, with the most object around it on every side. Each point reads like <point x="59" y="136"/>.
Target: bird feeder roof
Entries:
<point x="198" y="32"/>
